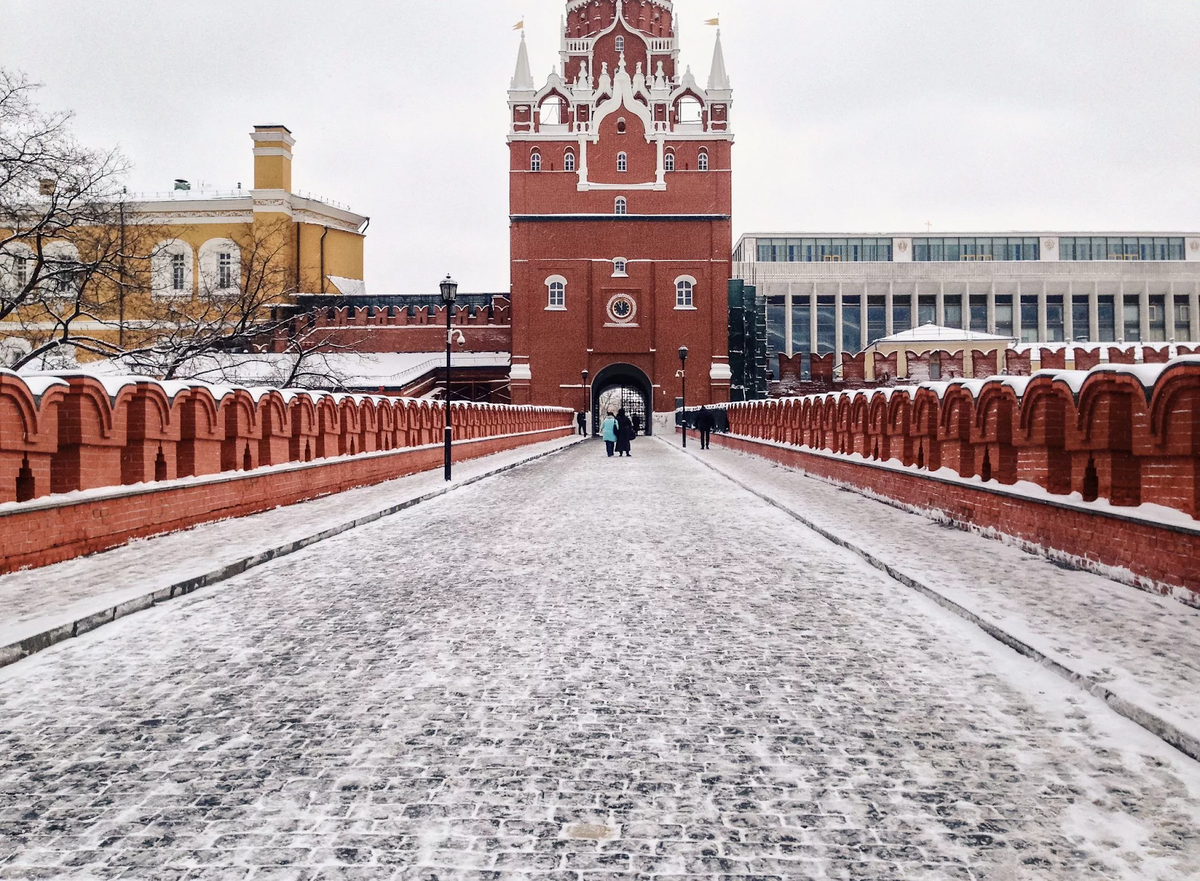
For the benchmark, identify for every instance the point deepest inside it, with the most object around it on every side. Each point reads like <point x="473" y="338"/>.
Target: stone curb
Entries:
<point x="21" y="649"/>
<point x="1166" y="731"/>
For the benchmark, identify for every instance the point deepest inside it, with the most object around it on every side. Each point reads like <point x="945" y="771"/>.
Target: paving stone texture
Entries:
<point x="581" y="669"/>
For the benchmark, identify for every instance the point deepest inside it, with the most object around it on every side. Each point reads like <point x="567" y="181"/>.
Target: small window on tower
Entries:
<point x="535" y="161"/>
<point x="622" y="162"/>
<point x="702" y="162"/>
<point x="619" y="266"/>
<point x="557" y="287"/>
<point x="669" y="162"/>
<point x="569" y="161"/>
<point x="620" y="44"/>
<point x="622" y="206"/>
<point x="684" y="287"/>
<point x="621" y="126"/>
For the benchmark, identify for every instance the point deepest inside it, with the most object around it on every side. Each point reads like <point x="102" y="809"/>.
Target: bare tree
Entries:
<point x="61" y="255"/>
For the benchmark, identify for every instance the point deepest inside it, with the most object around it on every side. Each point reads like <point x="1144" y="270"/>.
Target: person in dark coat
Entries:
<point x="636" y="419"/>
<point x="624" y="433"/>
<point x="581" y="421"/>
<point x="705" y="423"/>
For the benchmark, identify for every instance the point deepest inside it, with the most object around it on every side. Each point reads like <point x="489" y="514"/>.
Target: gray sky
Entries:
<point x="851" y="115"/>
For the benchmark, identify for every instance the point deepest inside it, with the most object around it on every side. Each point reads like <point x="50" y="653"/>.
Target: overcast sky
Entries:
<point x="850" y="115"/>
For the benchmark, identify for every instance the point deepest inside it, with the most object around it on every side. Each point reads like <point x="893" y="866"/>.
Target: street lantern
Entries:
<point x="449" y="288"/>
<point x="683" y="353"/>
<point x="587" y="400"/>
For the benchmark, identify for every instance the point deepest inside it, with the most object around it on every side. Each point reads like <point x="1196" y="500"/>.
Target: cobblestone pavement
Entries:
<point x="1143" y="646"/>
<point x="583" y="669"/>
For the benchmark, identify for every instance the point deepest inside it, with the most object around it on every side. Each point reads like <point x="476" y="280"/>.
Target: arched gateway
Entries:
<point x="623" y="385"/>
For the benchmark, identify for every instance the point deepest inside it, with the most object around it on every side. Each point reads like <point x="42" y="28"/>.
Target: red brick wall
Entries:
<point x="42" y="532"/>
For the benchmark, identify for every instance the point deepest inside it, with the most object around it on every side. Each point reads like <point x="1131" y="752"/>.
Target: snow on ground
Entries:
<point x="583" y="668"/>
<point x="35" y="600"/>
<point x="1142" y="646"/>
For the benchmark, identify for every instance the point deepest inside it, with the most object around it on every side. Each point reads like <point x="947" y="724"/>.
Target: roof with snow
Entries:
<point x="933" y="333"/>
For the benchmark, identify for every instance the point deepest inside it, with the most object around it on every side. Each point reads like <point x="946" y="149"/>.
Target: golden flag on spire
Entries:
<point x="519" y="26"/>
<point x="715" y="22"/>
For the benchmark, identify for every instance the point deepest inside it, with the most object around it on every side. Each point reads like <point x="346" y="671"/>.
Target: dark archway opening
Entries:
<point x="623" y="385"/>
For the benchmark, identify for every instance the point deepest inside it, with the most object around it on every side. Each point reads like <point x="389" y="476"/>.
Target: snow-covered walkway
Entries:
<point x="581" y="668"/>
<point x="1141" y="647"/>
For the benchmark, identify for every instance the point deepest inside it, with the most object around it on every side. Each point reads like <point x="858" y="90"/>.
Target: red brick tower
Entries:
<point x="620" y="202"/>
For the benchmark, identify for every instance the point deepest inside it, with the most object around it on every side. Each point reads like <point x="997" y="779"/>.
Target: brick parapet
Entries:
<point x="77" y="432"/>
<point x="56" y="528"/>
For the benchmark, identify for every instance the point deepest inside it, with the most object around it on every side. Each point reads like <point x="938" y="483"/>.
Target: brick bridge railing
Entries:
<point x="87" y="462"/>
<point x="1127" y="435"/>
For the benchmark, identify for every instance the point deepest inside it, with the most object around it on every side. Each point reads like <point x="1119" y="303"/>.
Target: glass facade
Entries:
<point x="851" y="325"/>
<point x="824" y="250"/>
<point x="776" y="332"/>
<point x="979" y="314"/>
<point x="952" y="308"/>
<point x="937" y="250"/>
<point x="1004" y="314"/>
<point x="1120" y="248"/>
<point x="1106" y="314"/>
<point x="1080" y="319"/>
<point x="1132" y="320"/>
<point x="876" y="319"/>
<point x="1055" y="320"/>
<point x="826" y="325"/>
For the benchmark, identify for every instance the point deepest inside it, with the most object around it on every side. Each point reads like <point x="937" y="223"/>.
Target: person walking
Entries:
<point x="705" y="423"/>
<point x="608" y="430"/>
<point x="581" y="421"/>
<point x="624" y="434"/>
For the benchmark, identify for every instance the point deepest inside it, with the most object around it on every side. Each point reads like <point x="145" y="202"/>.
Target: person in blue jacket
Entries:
<point x="608" y="431"/>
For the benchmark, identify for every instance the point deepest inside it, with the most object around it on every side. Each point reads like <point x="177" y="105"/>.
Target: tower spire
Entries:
<point x="522" y="80"/>
<point x="718" y="79"/>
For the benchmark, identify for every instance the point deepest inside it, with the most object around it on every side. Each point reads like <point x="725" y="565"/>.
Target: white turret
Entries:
<point x="522" y="80"/>
<point x="718" y="79"/>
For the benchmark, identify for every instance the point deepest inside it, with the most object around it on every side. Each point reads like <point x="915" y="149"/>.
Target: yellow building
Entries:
<point x="164" y="259"/>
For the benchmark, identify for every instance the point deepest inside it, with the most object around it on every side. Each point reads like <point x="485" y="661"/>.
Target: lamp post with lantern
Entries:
<point x="683" y="353"/>
<point x="587" y="401"/>
<point x="449" y="288"/>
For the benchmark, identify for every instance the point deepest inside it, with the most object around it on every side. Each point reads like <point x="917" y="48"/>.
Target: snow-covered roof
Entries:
<point x="932" y="333"/>
<point x="349" y="287"/>
<point x="364" y="370"/>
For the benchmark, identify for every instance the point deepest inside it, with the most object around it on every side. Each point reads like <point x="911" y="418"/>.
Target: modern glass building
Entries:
<point x="839" y="293"/>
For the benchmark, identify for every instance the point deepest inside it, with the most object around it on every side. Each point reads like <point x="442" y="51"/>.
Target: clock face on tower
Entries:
<point x="622" y="308"/>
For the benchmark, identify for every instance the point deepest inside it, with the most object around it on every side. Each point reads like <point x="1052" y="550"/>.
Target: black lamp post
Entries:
<point x="449" y="294"/>
<point x="683" y="353"/>
<point x="587" y="401"/>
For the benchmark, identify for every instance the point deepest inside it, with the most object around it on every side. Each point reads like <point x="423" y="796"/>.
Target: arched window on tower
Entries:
<point x="620" y="44"/>
<point x="535" y="161"/>
<point x="621" y="128"/>
<point x="556" y="287"/>
<point x="702" y="162"/>
<point x="685" y="286"/>
<point x="622" y="162"/>
<point x="568" y="161"/>
<point x="669" y="162"/>
<point x="622" y="207"/>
